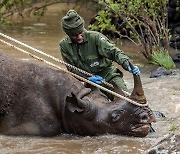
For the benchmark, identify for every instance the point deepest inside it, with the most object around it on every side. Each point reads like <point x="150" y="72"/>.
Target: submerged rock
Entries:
<point x="176" y="57"/>
<point x="159" y="72"/>
<point x="169" y="144"/>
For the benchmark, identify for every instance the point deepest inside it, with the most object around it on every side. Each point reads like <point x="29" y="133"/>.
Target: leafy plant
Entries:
<point x="25" y="8"/>
<point x="178" y="6"/>
<point x="145" y="22"/>
<point x="161" y="57"/>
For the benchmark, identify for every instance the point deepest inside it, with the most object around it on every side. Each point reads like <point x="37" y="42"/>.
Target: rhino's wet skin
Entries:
<point x="162" y="95"/>
<point x="109" y="143"/>
<point x="45" y="107"/>
<point x="38" y="100"/>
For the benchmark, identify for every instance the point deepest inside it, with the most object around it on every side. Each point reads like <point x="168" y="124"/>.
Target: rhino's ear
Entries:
<point x="72" y="104"/>
<point x="75" y="102"/>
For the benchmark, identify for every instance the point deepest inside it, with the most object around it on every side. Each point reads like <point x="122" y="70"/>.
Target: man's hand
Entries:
<point x="134" y="71"/>
<point x="96" y="79"/>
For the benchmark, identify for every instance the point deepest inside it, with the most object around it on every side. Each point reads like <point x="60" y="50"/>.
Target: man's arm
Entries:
<point x="110" y="51"/>
<point x="113" y="53"/>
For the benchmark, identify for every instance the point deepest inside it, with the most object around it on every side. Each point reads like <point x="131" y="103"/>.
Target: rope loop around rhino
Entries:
<point x="55" y="59"/>
<point x="75" y="75"/>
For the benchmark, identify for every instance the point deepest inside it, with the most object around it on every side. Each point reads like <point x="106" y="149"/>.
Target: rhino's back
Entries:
<point x="22" y="78"/>
<point x="31" y="96"/>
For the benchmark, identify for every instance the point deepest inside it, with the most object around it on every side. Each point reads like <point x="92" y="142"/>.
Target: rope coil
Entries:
<point x="64" y="70"/>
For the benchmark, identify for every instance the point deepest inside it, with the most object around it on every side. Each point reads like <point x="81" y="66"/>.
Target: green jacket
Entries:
<point x="95" y="55"/>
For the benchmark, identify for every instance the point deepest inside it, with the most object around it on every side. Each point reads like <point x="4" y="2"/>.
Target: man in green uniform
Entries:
<point x="93" y="52"/>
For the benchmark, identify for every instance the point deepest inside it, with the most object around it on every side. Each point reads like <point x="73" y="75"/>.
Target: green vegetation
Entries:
<point x="145" y="22"/>
<point x="174" y="127"/>
<point x="178" y="6"/>
<point x="162" y="58"/>
<point x="22" y="8"/>
<point x="25" y="8"/>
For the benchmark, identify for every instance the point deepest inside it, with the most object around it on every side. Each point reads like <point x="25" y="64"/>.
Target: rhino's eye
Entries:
<point x="116" y="115"/>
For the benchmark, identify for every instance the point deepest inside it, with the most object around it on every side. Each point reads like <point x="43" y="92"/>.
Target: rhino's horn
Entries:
<point x="138" y="93"/>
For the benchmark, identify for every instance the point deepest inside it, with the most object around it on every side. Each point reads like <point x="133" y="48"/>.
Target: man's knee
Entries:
<point x="119" y="82"/>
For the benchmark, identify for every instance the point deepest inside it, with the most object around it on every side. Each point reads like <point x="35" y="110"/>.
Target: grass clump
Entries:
<point x="174" y="127"/>
<point x="162" y="58"/>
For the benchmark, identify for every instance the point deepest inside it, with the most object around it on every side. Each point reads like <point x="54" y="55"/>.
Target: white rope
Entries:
<point x="75" y="75"/>
<point x="55" y="59"/>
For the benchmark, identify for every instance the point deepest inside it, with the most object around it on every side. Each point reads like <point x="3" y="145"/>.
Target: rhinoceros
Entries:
<point x="37" y="100"/>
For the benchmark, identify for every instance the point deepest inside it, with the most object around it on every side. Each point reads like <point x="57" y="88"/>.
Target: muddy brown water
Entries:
<point x="163" y="94"/>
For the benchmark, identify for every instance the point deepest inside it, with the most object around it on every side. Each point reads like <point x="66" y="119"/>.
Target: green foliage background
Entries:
<point x="145" y="20"/>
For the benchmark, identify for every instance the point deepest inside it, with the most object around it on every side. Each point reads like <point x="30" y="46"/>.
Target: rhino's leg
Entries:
<point x="24" y="129"/>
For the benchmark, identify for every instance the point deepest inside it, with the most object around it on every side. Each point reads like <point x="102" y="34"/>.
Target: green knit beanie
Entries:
<point x="72" y="23"/>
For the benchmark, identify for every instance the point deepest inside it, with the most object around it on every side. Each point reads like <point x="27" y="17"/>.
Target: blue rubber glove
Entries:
<point x="135" y="71"/>
<point x="96" y="79"/>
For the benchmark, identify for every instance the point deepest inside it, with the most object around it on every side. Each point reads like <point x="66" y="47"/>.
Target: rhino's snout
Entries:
<point x="147" y="118"/>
